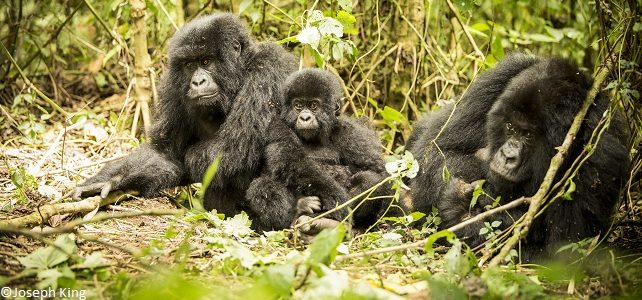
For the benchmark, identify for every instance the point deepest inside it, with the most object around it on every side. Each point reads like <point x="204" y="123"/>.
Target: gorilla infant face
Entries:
<point x="306" y="124"/>
<point x="312" y="103"/>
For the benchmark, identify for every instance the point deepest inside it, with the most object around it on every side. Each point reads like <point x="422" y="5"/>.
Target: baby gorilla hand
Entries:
<point x="308" y="205"/>
<point x="306" y="208"/>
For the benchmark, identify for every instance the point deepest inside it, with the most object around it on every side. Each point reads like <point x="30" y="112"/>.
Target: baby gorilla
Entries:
<point x="312" y="142"/>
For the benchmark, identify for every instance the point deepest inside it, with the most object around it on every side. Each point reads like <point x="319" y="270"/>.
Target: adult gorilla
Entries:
<point x="505" y="131"/>
<point x="217" y="97"/>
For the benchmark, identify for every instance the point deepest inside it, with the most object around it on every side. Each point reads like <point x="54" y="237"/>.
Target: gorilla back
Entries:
<point x="525" y="107"/>
<point x="217" y="98"/>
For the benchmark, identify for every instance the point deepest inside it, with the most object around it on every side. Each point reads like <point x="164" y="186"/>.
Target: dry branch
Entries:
<point x="43" y="213"/>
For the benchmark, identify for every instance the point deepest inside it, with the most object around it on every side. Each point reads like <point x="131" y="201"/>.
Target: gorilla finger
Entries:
<point x="104" y="192"/>
<point x="302" y="220"/>
<point x="325" y="223"/>
<point x="109" y="185"/>
<point x="87" y="190"/>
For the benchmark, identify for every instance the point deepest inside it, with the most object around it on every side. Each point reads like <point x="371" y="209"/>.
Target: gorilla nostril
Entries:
<point x="304" y="118"/>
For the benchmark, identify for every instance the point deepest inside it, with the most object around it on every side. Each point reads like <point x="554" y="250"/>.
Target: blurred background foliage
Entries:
<point x="397" y="58"/>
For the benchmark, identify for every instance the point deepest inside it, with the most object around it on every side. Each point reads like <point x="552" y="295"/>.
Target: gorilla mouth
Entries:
<point x="505" y="173"/>
<point x="306" y="133"/>
<point x="207" y="96"/>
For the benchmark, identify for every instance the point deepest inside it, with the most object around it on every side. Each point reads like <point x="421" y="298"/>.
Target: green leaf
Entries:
<point x="48" y="278"/>
<point x="208" y="177"/>
<point x="497" y="49"/>
<point x="94" y="260"/>
<point x="390" y="114"/>
<point x="238" y="226"/>
<point x="345" y="5"/>
<point x="331" y="26"/>
<point x="569" y="191"/>
<point x="434" y="237"/>
<point x="483" y="231"/>
<point x="456" y="263"/>
<point x="445" y="174"/>
<point x="477" y="192"/>
<point x="318" y="57"/>
<point x="346" y="18"/>
<point x="291" y="39"/>
<point x="441" y="289"/>
<point x="245" y="4"/>
<point x="324" y="248"/>
<point x="277" y="282"/>
<point x="315" y="16"/>
<point x="496" y="224"/>
<point x="538" y="37"/>
<point x="309" y="36"/>
<point x="466" y="6"/>
<point x="45" y="258"/>
<point x="510" y="285"/>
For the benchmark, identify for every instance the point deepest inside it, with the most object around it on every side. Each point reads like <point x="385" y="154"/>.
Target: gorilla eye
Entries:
<point x="510" y="127"/>
<point x="528" y="136"/>
<point x="205" y="62"/>
<point x="313" y="106"/>
<point x="298" y="106"/>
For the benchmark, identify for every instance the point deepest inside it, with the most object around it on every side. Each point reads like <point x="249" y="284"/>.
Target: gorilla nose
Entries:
<point x="198" y="80"/>
<point x="305" y="117"/>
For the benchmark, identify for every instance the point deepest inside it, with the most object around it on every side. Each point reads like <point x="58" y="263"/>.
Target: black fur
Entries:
<point x="189" y="132"/>
<point x="334" y="161"/>
<point x="540" y="94"/>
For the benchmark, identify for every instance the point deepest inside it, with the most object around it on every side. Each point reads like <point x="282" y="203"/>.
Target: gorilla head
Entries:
<point x="209" y="53"/>
<point x="529" y="120"/>
<point x="312" y="103"/>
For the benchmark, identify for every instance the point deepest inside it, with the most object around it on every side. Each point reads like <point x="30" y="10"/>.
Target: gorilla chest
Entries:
<point x="209" y="124"/>
<point x="328" y="160"/>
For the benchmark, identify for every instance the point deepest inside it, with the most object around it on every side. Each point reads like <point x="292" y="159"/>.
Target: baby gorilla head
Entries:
<point x="312" y="103"/>
<point x="206" y="61"/>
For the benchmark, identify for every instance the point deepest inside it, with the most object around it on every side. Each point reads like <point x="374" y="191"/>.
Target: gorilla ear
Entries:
<point x="337" y="108"/>
<point x="235" y="45"/>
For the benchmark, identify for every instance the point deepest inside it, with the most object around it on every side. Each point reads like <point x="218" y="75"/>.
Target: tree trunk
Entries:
<point x="142" y="63"/>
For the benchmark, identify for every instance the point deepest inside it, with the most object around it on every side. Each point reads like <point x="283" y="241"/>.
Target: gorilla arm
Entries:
<point x="153" y="166"/>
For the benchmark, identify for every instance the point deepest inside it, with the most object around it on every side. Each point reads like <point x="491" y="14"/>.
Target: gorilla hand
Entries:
<point x="145" y="170"/>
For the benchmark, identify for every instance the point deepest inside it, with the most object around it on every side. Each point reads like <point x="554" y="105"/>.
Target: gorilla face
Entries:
<point x="308" y="118"/>
<point x="312" y="103"/>
<point x="206" y="58"/>
<point x="514" y="137"/>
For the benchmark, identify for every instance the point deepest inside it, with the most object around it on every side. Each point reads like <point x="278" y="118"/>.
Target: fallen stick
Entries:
<point x="43" y="213"/>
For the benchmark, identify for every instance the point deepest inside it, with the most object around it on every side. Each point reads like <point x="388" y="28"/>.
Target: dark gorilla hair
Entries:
<point x="316" y="158"/>
<point x="505" y="131"/>
<point x="217" y="97"/>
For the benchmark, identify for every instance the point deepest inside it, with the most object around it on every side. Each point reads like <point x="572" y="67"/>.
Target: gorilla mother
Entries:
<point x="218" y="96"/>
<point x="505" y="131"/>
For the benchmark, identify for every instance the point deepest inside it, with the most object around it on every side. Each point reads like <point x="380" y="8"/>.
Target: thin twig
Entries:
<point x="463" y="27"/>
<point x="454" y="228"/>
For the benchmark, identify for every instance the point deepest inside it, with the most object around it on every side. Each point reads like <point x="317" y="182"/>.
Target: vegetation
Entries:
<point x="77" y="89"/>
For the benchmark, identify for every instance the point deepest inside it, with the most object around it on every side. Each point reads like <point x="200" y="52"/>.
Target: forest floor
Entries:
<point x="198" y="253"/>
